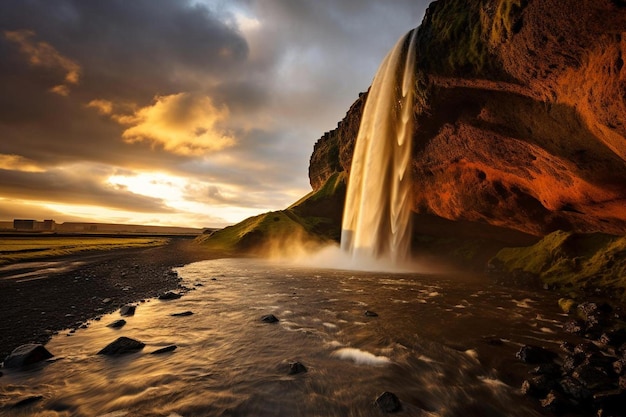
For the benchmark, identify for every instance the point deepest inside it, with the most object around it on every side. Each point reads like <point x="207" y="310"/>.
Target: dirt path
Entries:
<point x="40" y="298"/>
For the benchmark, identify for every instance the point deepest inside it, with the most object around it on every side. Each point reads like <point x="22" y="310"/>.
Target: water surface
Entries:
<point x="444" y="344"/>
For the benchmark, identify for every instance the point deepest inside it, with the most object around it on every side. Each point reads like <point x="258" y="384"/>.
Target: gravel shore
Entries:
<point x="33" y="308"/>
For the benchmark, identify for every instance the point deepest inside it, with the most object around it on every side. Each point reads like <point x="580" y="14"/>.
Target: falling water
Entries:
<point x="377" y="213"/>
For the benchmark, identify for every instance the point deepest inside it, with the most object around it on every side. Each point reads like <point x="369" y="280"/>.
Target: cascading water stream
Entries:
<point x="377" y="214"/>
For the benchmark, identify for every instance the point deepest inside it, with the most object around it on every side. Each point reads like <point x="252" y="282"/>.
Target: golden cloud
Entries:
<point x="184" y="123"/>
<point x="14" y="162"/>
<point x="101" y="106"/>
<point x="42" y="54"/>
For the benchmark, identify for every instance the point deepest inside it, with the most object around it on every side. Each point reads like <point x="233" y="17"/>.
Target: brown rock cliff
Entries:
<point x="520" y="117"/>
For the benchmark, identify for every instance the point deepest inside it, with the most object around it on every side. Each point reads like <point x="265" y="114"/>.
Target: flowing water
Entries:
<point x="443" y="343"/>
<point x="376" y="220"/>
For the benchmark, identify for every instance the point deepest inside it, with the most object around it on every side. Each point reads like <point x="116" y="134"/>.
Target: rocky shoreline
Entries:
<point x="34" y="310"/>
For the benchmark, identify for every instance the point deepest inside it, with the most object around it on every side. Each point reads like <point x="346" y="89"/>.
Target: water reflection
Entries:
<point x="430" y="343"/>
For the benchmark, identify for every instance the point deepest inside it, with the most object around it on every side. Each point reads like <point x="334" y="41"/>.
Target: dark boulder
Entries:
<point x="26" y="355"/>
<point x="619" y="366"/>
<point x="296" y="368"/>
<point x="535" y="354"/>
<point x="575" y="389"/>
<point x="388" y="402"/>
<point x="369" y="313"/>
<point x="117" y="324"/>
<point x="572" y="361"/>
<point x="127" y="310"/>
<point x="165" y="349"/>
<point x="121" y="346"/>
<point x="269" y="318"/>
<point x="593" y="378"/>
<point x="573" y="326"/>
<point x="538" y="386"/>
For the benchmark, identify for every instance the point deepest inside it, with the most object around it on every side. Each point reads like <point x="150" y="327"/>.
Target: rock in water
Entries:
<point x="535" y="354"/>
<point x="127" y="310"/>
<point x="122" y="345"/>
<point x="165" y="349"/>
<point x="182" y="314"/>
<point x="388" y="402"/>
<point x="170" y="295"/>
<point x="117" y="324"/>
<point x="296" y="368"/>
<point x="26" y="355"/>
<point x="269" y="318"/>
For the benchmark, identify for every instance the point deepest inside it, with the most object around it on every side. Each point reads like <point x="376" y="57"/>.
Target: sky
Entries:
<point x="196" y="113"/>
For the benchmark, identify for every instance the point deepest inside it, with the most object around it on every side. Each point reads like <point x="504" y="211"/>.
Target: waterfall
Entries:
<point x="377" y="214"/>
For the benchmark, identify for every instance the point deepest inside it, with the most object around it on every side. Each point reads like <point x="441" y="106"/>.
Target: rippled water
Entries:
<point x="432" y="345"/>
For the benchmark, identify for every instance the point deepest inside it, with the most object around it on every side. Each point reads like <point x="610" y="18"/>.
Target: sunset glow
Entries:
<point x="187" y="113"/>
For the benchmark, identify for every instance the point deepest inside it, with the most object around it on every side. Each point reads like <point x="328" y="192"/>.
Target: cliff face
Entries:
<point x="520" y="116"/>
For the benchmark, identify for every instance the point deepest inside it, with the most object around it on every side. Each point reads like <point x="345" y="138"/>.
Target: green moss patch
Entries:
<point x="594" y="262"/>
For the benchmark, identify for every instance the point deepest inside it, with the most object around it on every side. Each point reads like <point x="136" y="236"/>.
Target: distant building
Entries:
<point x="24" y="224"/>
<point x="49" y="225"/>
<point x="28" y="224"/>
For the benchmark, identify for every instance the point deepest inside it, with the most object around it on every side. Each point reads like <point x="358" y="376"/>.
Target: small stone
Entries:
<point x="296" y="368"/>
<point x="573" y="326"/>
<point x="165" y="349"/>
<point x="369" y="313"/>
<point x="127" y="310"/>
<point x="170" y="295"/>
<point x="269" y="318"/>
<point x="122" y="345"/>
<point x="26" y="355"/>
<point x="535" y="354"/>
<point x="575" y="389"/>
<point x="567" y="304"/>
<point x="538" y="386"/>
<point x="567" y="347"/>
<point x="106" y="301"/>
<point x="117" y="324"/>
<point x="388" y="402"/>
<point x="554" y="402"/>
<point x="182" y="314"/>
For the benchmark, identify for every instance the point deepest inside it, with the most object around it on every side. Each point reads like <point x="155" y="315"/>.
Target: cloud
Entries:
<point x="19" y="163"/>
<point x="230" y="95"/>
<point x="101" y="106"/>
<point x="43" y="54"/>
<point x="184" y="123"/>
<point x="83" y="185"/>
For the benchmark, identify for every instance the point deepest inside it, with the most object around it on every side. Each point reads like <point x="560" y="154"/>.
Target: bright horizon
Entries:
<point x="177" y="113"/>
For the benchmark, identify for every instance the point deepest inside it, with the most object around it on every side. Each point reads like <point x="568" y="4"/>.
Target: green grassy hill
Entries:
<point x="588" y="263"/>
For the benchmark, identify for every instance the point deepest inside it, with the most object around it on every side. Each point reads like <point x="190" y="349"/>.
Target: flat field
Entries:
<point x="20" y="249"/>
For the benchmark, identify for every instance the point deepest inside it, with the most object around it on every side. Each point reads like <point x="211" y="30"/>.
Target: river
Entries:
<point x="445" y="344"/>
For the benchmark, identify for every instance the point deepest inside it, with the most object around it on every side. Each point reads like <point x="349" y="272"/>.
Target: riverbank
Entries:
<point x="39" y="299"/>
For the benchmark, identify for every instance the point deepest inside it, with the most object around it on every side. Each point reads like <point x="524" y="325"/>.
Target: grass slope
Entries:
<point x="310" y="221"/>
<point x="586" y="262"/>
